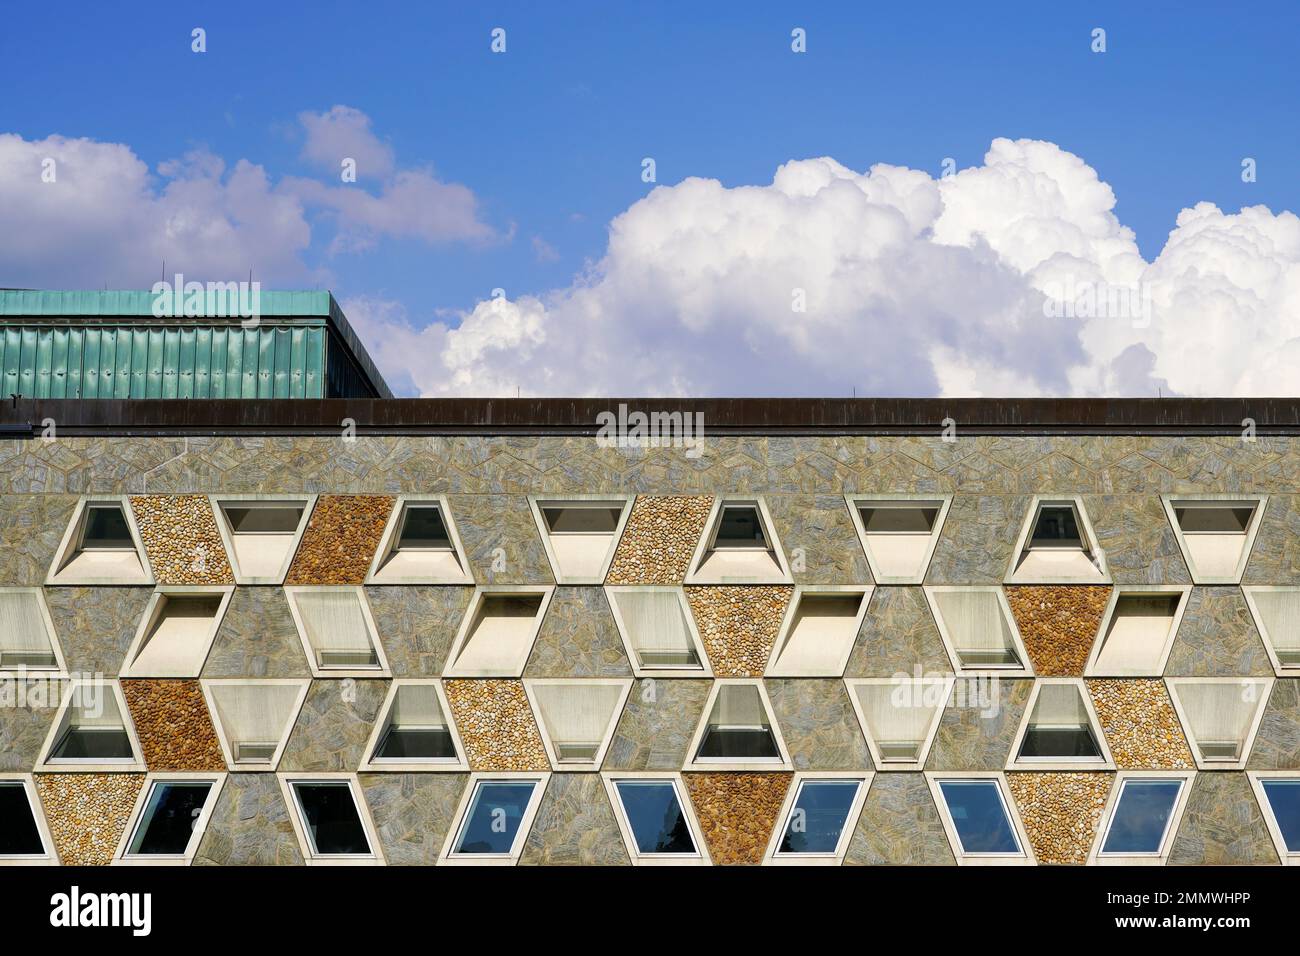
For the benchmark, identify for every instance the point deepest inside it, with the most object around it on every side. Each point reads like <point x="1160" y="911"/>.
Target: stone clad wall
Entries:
<point x="803" y="480"/>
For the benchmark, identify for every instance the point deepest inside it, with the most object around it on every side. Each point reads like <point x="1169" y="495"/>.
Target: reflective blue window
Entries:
<point x="979" y="816"/>
<point x="819" y="815"/>
<point x="655" y="816"/>
<point x="1284" y="798"/>
<point x="495" y="813"/>
<point x="1142" y="816"/>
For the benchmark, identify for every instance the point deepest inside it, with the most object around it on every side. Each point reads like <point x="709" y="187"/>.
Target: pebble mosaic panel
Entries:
<point x="1060" y="811"/>
<point x="1058" y="624"/>
<point x="737" y="812"/>
<point x="180" y="537"/>
<point x="496" y="725"/>
<point x="340" y="540"/>
<point x="172" y="721"/>
<point x="659" y="540"/>
<point x="738" y="625"/>
<point x="1140" y="724"/>
<point x="87" y="813"/>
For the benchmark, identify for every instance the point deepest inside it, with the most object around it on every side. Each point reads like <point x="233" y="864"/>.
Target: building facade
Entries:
<point x="853" y="633"/>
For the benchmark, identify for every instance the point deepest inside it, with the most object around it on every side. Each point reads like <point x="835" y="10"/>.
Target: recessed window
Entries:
<point x="977" y="810"/>
<point x="20" y="836"/>
<point x="177" y="632"/>
<point x="738" y="728"/>
<point x="819" y="818"/>
<point x="977" y="628"/>
<point x="1277" y="617"/>
<point x="1215" y="534"/>
<point x="1060" y="728"/>
<point x="739" y="547"/>
<point x="577" y="718"/>
<point x="414" y="731"/>
<point x="495" y="819"/>
<point x="27" y="638"/>
<point x="898" y="535"/>
<point x="1056" y="545"/>
<point x="818" y="633"/>
<point x="1283" y="797"/>
<point x="899" y="717"/>
<point x="92" y="730"/>
<point x="168" y="823"/>
<point x="580" y="535"/>
<point x="420" y="546"/>
<point x="261" y="535"/>
<point x="1143" y="812"/>
<point x="498" y="632"/>
<point x="253" y="718"/>
<point x="337" y="630"/>
<point x="658" y="630"/>
<point x="1137" y="631"/>
<point x="1220" y="717"/>
<point x="101" y="546"/>
<point x="330" y="819"/>
<point x="654" y="815"/>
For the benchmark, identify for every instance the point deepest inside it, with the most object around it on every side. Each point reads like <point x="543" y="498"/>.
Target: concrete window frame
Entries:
<point x="521" y="634"/>
<point x="789" y="659"/>
<point x="451" y="857"/>
<point x="294" y="695"/>
<point x="295" y="593"/>
<point x="202" y="636"/>
<point x="46" y="622"/>
<point x="1257" y="779"/>
<point x="1025" y="857"/>
<point x="70" y="565"/>
<point x="1097" y="857"/>
<point x="630" y="637"/>
<point x="122" y="856"/>
<point x="1098" y="666"/>
<point x="307" y="502"/>
<point x="49" y="855"/>
<point x="707" y="546"/>
<point x="933" y="693"/>
<point x="700" y="857"/>
<point x="773" y="856"/>
<point x="1191" y="714"/>
<point x="538" y="690"/>
<point x="1104" y="760"/>
<point x="539" y="504"/>
<point x="1271" y="624"/>
<point x="390" y="547"/>
<point x="933" y="598"/>
<point x="73" y="692"/>
<point x="1245" y="539"/>
<point x="884" y="565"/>
<point x="693" y="761"/>
<point x="371" y="764"/>
<point x="1092" y="569"/>
<point x="290" y="781"/>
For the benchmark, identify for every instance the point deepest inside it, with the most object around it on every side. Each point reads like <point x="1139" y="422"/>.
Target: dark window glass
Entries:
<point x="332" y="820"/>
<point x="264" y="519"/>
<point x="168" y="820"/>
<point x="18" y="833"/>
<point x="93" y="743"/>
<point x="739" y="742"/>
<point x="1141" y="816"/>
<point x="979" y="816"/>
<point x="1059" y="742"/>
<point x="423" y="528"/>
<point x="1284" y="798"/>
<point x="494" y="816"/>
<point x="740" y="527"/>
<point x="416" y="743"/>
<point x="106" y="528"/>
<point x="820" y="813"/>
<point x="1056" y="527"/>
<point x="655" y="816"/>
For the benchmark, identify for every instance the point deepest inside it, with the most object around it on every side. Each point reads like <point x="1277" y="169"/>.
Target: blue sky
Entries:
<point x="549" y="137"/>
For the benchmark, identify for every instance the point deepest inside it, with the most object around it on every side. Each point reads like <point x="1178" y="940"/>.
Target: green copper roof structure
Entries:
<point x="89" y="345"/>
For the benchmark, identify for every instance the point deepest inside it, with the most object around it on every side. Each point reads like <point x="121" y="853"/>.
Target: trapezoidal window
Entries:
<point x="253" y="718"/>
<point x="1057" y="546"/>
<point x="1220" y="716"/>
<point x="899" y="535"/>
<point x="739" y="547"/>
<point x="577" y="718"/>
<point x="818" y="632"/>
<point x="899" y="717"/>
<point x="101" y="546"/>
<point x="330" y="818"/>
<point x="1277" y="618"/>
<point x="1137" y="631"/>
<point x="1060" y="729"/>
<point x="420" y="546"/>
<point x="261" y="535"/>
<point x="738" y="729"/>
<point x="1143" y="817"/>
<point x="580" y="535"/>
<point x="92" y="731"/>
<point x="179" y="626"/>
<point x="494" y="819"/>
<point x="337" y="630"/>
<point x="1278" y="794"/>
<point x="27" y="640"/>
<point x="171" y="820"/>
<point x="498" y="632"/>
<point x="1215" y="535"/>
<point x="657" y="826"/>
<point x="977" y="629"/>
<point x="21" y="835"/>
<point x="819" y="819"/>
<point x="658" y="631"/>
<point x="414" y="731"/>
<point x="979" y="819"/>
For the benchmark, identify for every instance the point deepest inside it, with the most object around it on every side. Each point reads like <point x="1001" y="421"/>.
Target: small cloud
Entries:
<point x="544" y="251"/>
<point x="344" y="133"/>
